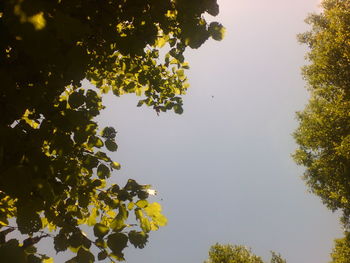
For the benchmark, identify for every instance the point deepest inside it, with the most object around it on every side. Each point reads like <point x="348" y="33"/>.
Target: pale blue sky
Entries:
<point x="223" y="168"/>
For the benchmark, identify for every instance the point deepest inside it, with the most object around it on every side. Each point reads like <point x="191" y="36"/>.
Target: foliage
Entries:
<point x="237" y="254"/>
<point x="323" y="134"/>
<point x="54" y="170"/>
<point x="341" y="250"/>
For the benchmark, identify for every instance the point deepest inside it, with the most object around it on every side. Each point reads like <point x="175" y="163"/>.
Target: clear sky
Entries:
<point x="223" y="168"/>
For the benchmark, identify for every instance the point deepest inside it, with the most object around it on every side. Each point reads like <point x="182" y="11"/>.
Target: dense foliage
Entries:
<point x="237" y="254"/>
<point x="341" y="250"/>
<point x="54" y="168"/>
<point x="323" y="134"/>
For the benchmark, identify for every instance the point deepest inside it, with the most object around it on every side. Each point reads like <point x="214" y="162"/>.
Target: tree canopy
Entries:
<point x="54" y="166"/>
<point x="323" y="135"/>
<point x="341" y="250"/>
<point x="237" y="254"/>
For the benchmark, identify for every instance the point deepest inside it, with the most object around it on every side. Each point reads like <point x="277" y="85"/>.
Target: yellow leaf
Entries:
<point x="116" y="165"/>
<point x="92" y="218"/>
<point x="38" y="21"/>
<point x="161" y="41"/>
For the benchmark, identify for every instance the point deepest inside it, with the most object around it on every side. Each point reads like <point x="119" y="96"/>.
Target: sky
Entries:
<point x="223" y="169"/>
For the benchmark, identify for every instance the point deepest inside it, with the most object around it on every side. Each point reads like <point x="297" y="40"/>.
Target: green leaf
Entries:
<point x="103" y="171"/>
<point x="94" y="141"/>
<point x="216" y="31"/>
<point x="85" y="256"/>
<point x="28" y="221"/>
<point x="11" y="252"/>
<point x="76" y="99"/>
<point x="111" y="145"/>
<point x="99" y="242"/>
<point x="102" y="255"/>
<point x="86" y="242"/>
<point x="75" y="241"/>
<point x="100" y="230"/>
<point x="138" y="239"/>
<point x="60" y="242"/>
<point x="117" y="242"/>
<point x="178" y="109"/>
<point x="109" y="133"/>
<point x="145" y="224"/>
<point x="84" y="200"/>
<point x="33" y="259"/>
<point x="118" y="222"/>
<point x="72" y="260"/>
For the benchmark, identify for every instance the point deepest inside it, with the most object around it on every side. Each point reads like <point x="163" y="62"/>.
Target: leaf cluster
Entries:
<point x="54" y="166"/>
<point x="237" y="254"/>
<point x="341" y="250"/>
<point x="323" y="135"/>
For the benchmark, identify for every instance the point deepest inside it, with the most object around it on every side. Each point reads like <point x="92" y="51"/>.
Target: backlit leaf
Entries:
<point x="117" y="242"/>
<point x="100" y="230"/>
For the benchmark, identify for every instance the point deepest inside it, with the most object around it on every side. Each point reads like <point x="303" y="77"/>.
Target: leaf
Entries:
<point x="140" y="103"/>
<point x="99" y="242"/>
<point x="145" y="224"/>
<point x="11" y="252"/>
<point x="109" y="133"/>
<point x="76" y="99"/>
<point x="178" y="109"/>
<point x="111" y="145"/>
<point x="118" y="222"/>
<point x="161" y="41"/>
<point x="116" y="165"/>
<point x="92" y="218"/>
<point x="185" y="65"/>
<point x="38" y="21"/>
<point x="102" y="255"/>
<point x="216" y="31"/>
<point x="85" y="256"/>
<point x="33" y="259"/>
<point x="95" y="142"/>
<point x="181" y="74"/>
<point x="84" y="200"/>
<point x="131" y="206"/>
<point x="138" y="239"/>
<point x="161" y="220"/>
<point x="153" y="209"/>
<point x="60" y="242"/>
<point x="142" y="203"/>
<point x="28" y="221"/>
<point x="75" y="241"/>
<point x="117" y="242"/>
<point x="103" y="171"/>
<point x="48" y="260"/>
<point x="100" y="230"/>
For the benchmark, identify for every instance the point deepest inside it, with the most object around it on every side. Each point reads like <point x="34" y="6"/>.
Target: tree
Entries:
<point x="237" y="254"/>
<point x="54" y="170"/>
<point x="323" y="135"/>
<point x="341" y="250"/>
